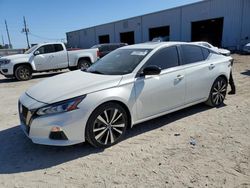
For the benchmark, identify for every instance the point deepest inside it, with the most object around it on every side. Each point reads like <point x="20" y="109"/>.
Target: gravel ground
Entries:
<point x="151" y="154"/>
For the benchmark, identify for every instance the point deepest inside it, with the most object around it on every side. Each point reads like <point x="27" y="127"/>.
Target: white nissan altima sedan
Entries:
<point x="130" y="85"/>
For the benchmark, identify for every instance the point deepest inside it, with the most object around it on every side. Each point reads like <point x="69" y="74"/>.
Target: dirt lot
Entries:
<point x="150" y="156"/>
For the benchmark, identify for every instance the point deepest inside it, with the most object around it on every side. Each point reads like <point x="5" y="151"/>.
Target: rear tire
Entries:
<point x="83" y="64"/>
<point x="218" y="92"/>
<point x="107" y="125"/>
<point x="23" y="73"/>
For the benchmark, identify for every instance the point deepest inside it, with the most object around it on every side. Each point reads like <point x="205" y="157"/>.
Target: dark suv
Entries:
<point x="104" y="49"/>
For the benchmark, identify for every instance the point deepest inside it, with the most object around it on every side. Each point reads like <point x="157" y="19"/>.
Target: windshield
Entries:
<point x="30" y="50"/>
<point x="119" y="62"/>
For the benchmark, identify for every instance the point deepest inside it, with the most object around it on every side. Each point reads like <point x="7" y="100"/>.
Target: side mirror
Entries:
<point x="36" y="52"/>
<point x="151" y="70"/>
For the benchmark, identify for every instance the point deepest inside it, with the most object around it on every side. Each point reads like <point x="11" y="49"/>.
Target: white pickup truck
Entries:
<point x="45" y="57"/>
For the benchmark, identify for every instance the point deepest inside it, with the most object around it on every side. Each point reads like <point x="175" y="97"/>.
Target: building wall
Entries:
<point x="245" y="31"/>
<point x="230" y="10"/>
<point x="169" y="18"/>
<point x="236" y="28"/>
<point x="73" y="39"/>
<point x="107" y="29"/>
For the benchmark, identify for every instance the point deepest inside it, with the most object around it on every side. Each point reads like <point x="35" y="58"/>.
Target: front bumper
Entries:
<point x="6" y="70"/>
<point x="39" y="128"/>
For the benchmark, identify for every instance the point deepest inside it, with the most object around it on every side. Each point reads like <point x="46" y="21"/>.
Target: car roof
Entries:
<point x="109" y="44"/>
<point x="152" y="45"/>
<point x="48" y="43"/>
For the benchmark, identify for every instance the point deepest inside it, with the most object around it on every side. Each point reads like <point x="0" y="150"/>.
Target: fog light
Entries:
<point x="57" y="133"/>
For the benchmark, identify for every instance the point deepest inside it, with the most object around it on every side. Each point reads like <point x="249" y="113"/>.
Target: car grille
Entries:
<point x="25" y="116"/>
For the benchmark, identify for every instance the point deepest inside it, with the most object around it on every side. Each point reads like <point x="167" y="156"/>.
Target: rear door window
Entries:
<point x="58" y="47"/>
<point x="165" y="58"/>
<point x="191" y="54"/>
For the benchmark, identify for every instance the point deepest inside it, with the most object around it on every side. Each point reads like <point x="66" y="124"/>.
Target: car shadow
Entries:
<point x="19" y="154"/>
<point x="36" y="76"/>
<point x="246" y="73"/>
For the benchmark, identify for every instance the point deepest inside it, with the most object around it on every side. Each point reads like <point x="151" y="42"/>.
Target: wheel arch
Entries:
<point x="19" y="64"/>
<point x="84" y="58"/>
<point x="208" y="101"/>
<point x="123" y="105"/>
<point x="126" y="109"/>
<point x="222" y="76"/>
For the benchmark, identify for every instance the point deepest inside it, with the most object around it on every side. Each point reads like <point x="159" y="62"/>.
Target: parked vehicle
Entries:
<point x="160" y="39"/>
<point x="246" y="49"/>
<point x="130" y="85"/>
<point x="219" y="50"/>
<point x="104" y="49"/>
<point x="45" y="57"/>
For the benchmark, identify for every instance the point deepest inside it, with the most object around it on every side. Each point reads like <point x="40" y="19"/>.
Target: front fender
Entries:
<point x="28" y="60"/>
<point x="124" y="95"/>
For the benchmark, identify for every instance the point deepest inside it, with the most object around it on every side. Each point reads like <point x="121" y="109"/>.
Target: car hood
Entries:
<point x="70" y="85"/>
<point x="17" y="56"/>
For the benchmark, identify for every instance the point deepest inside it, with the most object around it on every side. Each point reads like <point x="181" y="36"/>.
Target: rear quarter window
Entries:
<point x="191" y="54"/>
<point x="206" y="53"/>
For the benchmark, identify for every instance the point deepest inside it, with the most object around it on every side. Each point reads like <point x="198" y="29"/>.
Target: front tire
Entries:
<point x="218" y="92"/>
<point x="23" y="73"/>
<point x="83" y="64"/>
<point x="107" y="125"/>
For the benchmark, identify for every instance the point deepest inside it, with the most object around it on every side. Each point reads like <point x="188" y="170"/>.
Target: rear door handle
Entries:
<point x="211" y="66"/>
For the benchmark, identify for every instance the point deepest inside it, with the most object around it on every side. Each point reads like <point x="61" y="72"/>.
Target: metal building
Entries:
<point x="223" y="23"/>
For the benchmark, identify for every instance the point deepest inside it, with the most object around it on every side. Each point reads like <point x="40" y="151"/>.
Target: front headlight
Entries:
<point x="4" y="61"/>
<point x="59" y="107"/>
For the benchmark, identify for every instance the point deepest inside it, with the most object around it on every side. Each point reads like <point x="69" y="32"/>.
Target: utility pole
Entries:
<point x="2" y="40"/>
<point x="7" y="30"/>
<point x="26" y="31"/>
